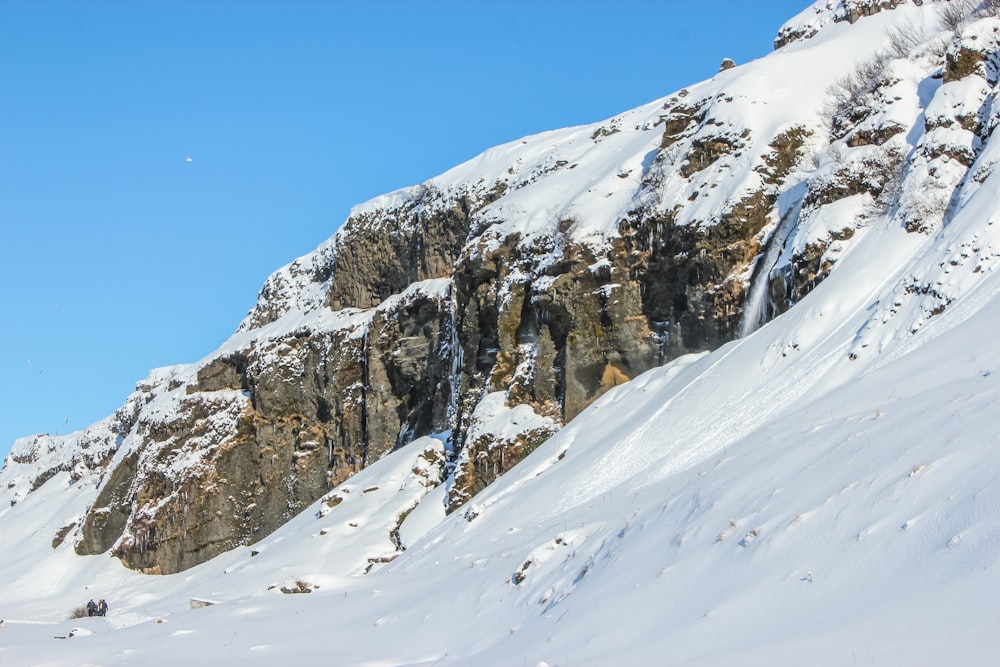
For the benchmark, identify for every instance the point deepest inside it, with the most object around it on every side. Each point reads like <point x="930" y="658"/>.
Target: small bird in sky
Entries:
<point x="188" y="159"/>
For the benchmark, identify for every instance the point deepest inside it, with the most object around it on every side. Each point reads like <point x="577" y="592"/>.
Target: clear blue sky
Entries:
<point x="118" y="255"/>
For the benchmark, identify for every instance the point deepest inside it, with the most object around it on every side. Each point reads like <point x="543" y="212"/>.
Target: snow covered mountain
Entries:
<point x="711" y="382"/>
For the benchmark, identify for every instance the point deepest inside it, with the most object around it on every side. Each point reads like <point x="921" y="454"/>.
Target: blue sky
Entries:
<point x="118" y="255"/>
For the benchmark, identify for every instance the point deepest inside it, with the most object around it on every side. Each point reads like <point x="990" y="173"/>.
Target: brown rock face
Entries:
<point x="850" y="11"/>
<point x="527" y="282"/>
<point x="417" y="311"/>
<point x="309" y="409"/>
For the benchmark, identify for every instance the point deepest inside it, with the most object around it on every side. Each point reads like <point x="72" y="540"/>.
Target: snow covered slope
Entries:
<point x="819" y="491"/>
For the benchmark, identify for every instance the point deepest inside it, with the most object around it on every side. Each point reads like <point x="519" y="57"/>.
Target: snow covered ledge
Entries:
<point x="822" y="13"/>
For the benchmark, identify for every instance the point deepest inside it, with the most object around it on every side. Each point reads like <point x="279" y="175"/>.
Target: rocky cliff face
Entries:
<point x="527" y="282"/>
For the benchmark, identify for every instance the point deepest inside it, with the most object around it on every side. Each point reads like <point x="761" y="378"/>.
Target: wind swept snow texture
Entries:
<point x="822" y="491"/>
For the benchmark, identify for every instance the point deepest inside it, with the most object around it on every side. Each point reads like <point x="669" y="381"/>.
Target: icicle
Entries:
<point x="455" y="350"/>
<point x="365" y="387"/>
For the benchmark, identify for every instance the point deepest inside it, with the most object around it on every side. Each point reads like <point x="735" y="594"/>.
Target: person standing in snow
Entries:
<point x="91" y="608"/>
<point x="102" y="608"/>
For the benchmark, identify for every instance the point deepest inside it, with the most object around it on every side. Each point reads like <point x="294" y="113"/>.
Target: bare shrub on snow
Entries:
<point x="905" y="38"/>
<point x="938" y="47"/>
<point x="815" y="157"/>
<point x="849" y="98"/>
<point x="79" y="612"/>
<point x="844" y="172"/>
<point x="989" y="8"/>
<point x="954" y="13"/>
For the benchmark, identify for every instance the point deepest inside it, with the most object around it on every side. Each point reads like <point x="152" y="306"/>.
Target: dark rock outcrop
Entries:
<point x="490" y="306"/>
<point x="432" y="313"/>
<point x="450" y="308"/>
<point x="850" y="11"/>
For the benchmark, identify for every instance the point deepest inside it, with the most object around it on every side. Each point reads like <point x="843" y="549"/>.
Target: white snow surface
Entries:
<point x="822" y="491"/>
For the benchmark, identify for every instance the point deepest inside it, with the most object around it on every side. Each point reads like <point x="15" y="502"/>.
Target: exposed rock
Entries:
<point x="547" y="323"/>
<point x="874" y="136"/>
<point x="320" y="407"/>
<point x="62" y="533"/>
<point x="707" y="149"/>
<point x="298" y="586"/>
<point x="46" y="456"/>
<point x="974" y="51"/>
<point x="857" y="9"/>
<point x="547" y="337"/>
<point x="809" y="24"/>
<point x="786" y="151"/>
<point x="465" y="307"/>
<point x="812" y="265"/>
<point x="489" y="314"/>
<point x="106" y="519"/>
<point x="679" y="120"/>
<point x="488" y="452"/>
<point x="382" y="252"/>
<point x="222" y="373"/>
